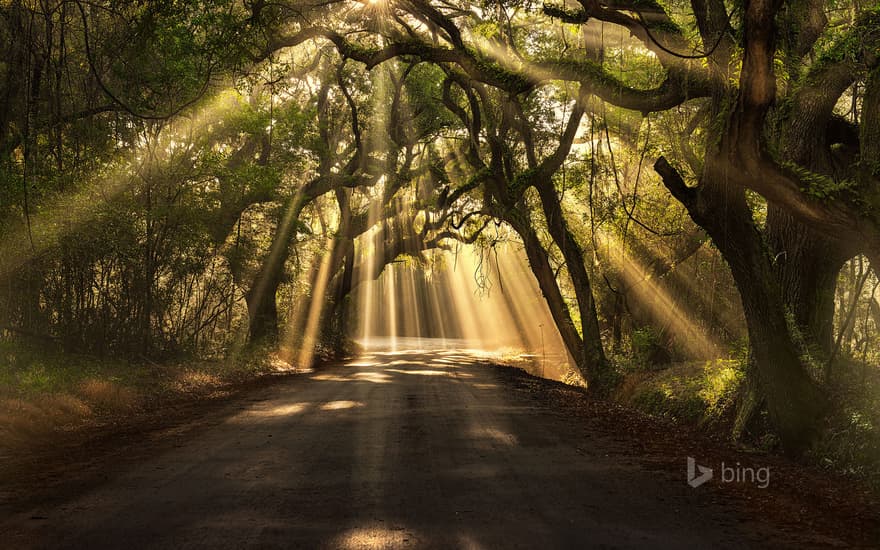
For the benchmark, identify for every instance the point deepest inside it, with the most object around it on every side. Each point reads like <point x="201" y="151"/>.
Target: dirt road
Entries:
<point x="406" y="449"/>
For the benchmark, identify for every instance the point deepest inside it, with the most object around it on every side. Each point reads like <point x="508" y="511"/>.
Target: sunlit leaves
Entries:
<point x="169" y="52"/>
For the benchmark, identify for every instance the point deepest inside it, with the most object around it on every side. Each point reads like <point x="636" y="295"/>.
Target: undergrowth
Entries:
<point x="706" y="394"/>
<point x="44" y="390"/>
<point x="696" y="392"/>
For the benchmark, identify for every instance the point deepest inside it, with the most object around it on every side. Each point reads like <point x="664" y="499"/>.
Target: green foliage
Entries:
<point x="850" y="438"/>
<point x="817" y="185"/>
<point x="642" y="343"/>
<point x="662" y="402"/>
<point x="498" y="75"/>
<point x="172" y="50"/>
<point x="29" y="369"/>
<point x="359" y="51"/>
<point x="564" y="14"/>
<point x="585" y="70"/>
<point x="693" y="392"/>
<point x="424" y="89"/>
<point x="523" y="179"/>
<point x="854" y="41"/>
<point x="486" y="29"/>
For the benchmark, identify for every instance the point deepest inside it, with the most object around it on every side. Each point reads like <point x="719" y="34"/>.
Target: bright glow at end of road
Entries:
<point x="337" y="405"/>
<point x="362" y="364"/>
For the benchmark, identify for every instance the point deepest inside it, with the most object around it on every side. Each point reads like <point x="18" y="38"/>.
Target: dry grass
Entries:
<point x="44" y="392"/>
<point x="106" y="395"/>
<point x="24" y="421"/>
<point x="195" y="381"/>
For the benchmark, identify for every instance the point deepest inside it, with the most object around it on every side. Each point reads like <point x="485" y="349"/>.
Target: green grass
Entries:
<point x="693" y="392"/>
<point x="29" y="371"/>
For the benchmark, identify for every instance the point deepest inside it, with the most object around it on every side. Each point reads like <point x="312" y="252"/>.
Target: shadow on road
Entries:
<point x="395" y="449"/>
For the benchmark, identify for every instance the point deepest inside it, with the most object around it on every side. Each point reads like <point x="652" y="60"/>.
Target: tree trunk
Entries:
<point x="806" y="266"/>
<point x="539" y="263"/>
<point x="593" y="353"/>
<point x="335" y="322"/>
<point x="341" y="307"/>
<point x="794" y="402"/>
<point x="262" y="307"/>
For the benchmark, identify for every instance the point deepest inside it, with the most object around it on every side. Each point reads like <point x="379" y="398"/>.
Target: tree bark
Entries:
<point x="262" y="307"/>
<point x="806" y="265"/>
<point x="539" y="263"/>
<point x="593" y="355"/>
<point x="794" y="402"/>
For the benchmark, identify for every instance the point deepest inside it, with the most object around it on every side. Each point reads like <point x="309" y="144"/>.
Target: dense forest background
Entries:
<point x="693" y="186"/>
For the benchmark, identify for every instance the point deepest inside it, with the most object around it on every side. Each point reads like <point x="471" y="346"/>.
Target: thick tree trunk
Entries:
<point x="806" y="266"/>
<point x="807" y="261"/>
<point x="333" y="331"/>
<point x="341" y="306"/>
<point x="793" y="400"/>
<point x="263" y="311"/>
<point x="262" y="307"/>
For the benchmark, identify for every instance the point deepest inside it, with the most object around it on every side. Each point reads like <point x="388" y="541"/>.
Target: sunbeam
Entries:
<point x="63" y="216"/>
<point x="485" y="301"/>
<point x="673" y="315"/>
<point x="306" y="355"/>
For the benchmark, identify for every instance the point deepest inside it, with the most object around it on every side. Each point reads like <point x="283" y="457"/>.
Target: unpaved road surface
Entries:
<point x="393" y="450"/>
